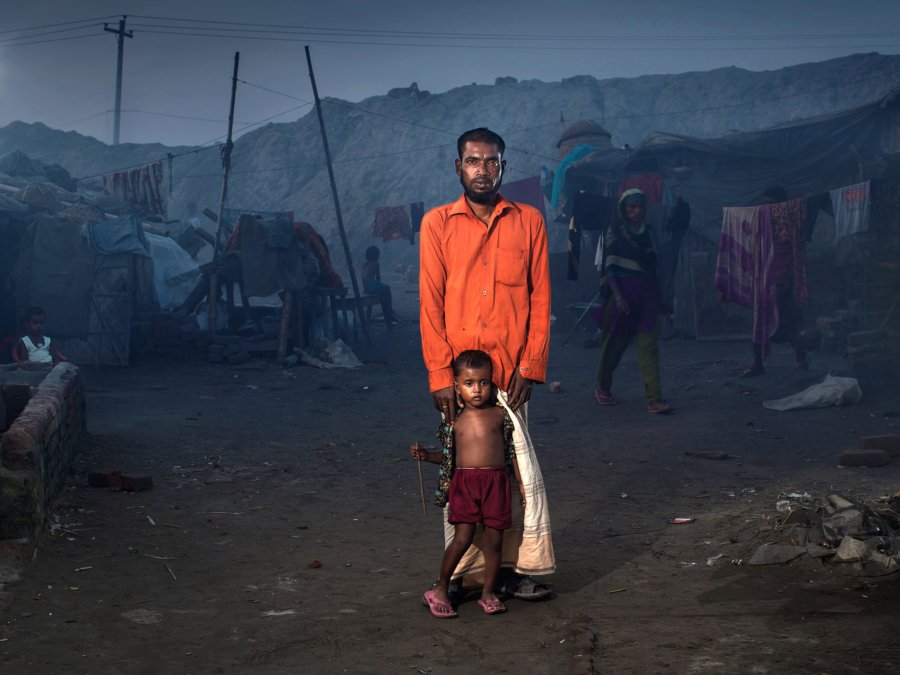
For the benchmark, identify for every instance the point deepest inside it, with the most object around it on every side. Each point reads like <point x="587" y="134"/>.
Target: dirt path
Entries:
<point x="284" y="532"/>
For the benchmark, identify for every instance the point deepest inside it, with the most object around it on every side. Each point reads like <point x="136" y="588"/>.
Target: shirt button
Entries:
<point x="484" y="292"/>
<point x="484" y="324"/>
<point x="484" y="261"/>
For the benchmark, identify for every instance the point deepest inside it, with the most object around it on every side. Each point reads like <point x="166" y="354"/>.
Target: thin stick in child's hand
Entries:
<point x="421" y="482"/>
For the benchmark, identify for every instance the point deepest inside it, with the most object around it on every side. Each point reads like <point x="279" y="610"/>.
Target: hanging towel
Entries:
<point x="789" y="261"/>
<point x="851" y="209"/>
<point x="744" y="267"/>
<point x="392" y="222"/>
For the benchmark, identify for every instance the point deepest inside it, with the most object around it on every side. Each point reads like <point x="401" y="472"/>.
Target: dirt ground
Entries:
<point x="284" y="532"/>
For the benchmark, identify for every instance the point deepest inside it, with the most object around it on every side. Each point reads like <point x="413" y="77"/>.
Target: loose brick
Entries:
<point x="889" y="443"/>
<point x="856" y="457"/>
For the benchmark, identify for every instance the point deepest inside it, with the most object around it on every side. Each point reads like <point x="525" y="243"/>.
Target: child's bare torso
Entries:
<point x="478" y="438"/>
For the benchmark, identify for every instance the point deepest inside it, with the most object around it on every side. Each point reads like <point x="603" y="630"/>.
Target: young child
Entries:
<point x="35" y="347"/>
<point x="477" y="453"/>
<point x="373" y="285"/>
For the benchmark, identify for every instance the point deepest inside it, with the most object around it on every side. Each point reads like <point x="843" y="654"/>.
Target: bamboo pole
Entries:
<point x="337" y="205"/>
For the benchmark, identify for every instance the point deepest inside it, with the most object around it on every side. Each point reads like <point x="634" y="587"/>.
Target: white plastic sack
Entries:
<point x="175" y="273"/>
<point x="832" y="391"/>
<point x="330" y="355"/>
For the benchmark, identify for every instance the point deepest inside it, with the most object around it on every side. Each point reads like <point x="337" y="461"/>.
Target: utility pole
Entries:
<point x="337" y="205"/>
<point x="226" y="168"/>
<point x="122" y="34"/>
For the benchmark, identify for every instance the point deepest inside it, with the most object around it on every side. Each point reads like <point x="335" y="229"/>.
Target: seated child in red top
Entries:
<point x="34" y="346"/>
<point x="479" y="489"/>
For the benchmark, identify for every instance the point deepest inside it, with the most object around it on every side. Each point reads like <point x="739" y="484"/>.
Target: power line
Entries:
<point x="248" y="27"/>
<point x="38" y="42"/>
<point x="54" y="25"/>
<point x="530" y="47"/>
<point x="280" y="93"/>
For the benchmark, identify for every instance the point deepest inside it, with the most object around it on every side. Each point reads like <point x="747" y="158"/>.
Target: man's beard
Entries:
<point x="481" y="197"/>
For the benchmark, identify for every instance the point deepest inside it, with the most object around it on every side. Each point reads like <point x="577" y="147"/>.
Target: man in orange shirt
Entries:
<point x="485" y="284"/>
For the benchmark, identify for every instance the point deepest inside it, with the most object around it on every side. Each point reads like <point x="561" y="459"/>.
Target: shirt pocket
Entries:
<point x="511" y="267"/>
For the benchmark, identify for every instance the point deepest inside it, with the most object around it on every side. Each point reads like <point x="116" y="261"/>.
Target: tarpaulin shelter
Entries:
<point x="806" y="157"/>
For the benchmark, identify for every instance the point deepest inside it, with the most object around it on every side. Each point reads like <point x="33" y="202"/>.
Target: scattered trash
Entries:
<point x="328" y="354"/>
<point x="554" y="387"/>
<point x="84" y="569"/>
<point x="832" y="391"/>
<point x="712" y="561"/>
<point x="315" y="564"/>
<point x="617" y="590"/>
<point x="282" y="612"/>
<point x="681" y="521"/>
<point x="837" y="529"/>
<point x="776" y="554"/>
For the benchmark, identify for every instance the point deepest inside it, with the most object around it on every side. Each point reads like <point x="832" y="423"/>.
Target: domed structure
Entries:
<point x="584" y="131"/>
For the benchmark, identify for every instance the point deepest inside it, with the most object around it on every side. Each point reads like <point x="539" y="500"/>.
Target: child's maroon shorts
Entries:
<point x="480" y="496"/>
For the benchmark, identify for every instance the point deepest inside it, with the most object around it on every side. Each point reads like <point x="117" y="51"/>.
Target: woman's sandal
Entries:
<point x="659" y="407"/>
<point x="604" y="397"/>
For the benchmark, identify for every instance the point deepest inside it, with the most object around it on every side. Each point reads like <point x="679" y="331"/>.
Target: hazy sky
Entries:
<point x="178" y="65"/>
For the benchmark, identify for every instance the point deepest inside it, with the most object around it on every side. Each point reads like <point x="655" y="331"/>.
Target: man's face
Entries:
<point x="480" y="171"/>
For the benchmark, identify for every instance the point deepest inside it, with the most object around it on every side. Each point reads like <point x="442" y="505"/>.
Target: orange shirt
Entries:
<point x="485" y="287"/>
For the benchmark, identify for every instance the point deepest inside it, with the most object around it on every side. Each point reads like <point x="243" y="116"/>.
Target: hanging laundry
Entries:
<point x="392" y="222"/>
<point x="851" y="209"/>
<point x="593" y="212"/>
<point x="141" y="187"/>
<point x="744" y="268"/>
<point x="651" y="184"/>
<point x="789" y="250"/>
<point x="573" y="247"/>
<point x="577" y="153"/>
<point x="526" y="191"/>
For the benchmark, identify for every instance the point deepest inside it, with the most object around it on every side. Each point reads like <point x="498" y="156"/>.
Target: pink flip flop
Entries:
<point x="491" y="606"/>
<point x="439" y="609"/>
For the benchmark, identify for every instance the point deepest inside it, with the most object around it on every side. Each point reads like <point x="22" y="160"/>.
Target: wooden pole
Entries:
<point x="226" y="167"/>
<point x="285" y="324"/>
<point x="337" y="205"/>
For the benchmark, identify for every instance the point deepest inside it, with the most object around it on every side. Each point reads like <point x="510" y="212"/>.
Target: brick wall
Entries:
<point x="37" y="450"/>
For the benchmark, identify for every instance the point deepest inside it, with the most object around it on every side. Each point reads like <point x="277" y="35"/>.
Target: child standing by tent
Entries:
<point x="34" y="346"/>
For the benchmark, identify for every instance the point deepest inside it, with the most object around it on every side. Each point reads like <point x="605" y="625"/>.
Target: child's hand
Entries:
<point x="416" y="451"/>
